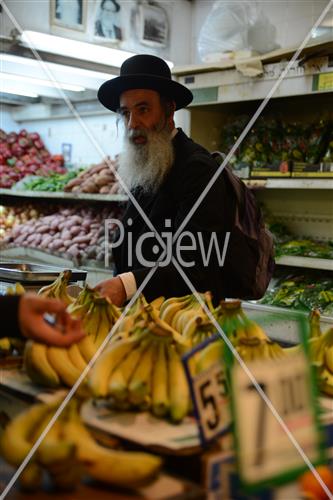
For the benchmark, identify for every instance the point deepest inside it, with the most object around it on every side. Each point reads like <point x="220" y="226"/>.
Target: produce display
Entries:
<point x="13" y="216"/>
<point x="303" y="292"/>
<point x="96" y="179"/>
<point x="139" y="370"/>
<point x="52" y="183"/>
<point x="69" y="451"/>
<point x="271" y="142"/>
<point x="77" y="233"/>
<point x="24" y="153"/>
<point x="286" y="244"/>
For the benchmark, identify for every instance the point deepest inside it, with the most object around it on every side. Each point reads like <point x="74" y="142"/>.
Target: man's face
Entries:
<point x="142" y="113"/>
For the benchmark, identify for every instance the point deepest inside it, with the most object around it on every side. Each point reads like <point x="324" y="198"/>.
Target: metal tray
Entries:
<point x="27" y="273"/>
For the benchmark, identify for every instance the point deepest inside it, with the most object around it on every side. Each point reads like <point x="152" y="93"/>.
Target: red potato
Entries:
<point x="55" y="244"/>
<point x="47" y="238"/>
<point x="81" y="239"/>
<point x="104" y="190"/>
<point x="73" y="250"/>
<point x="43" y="229"/>
<point x="65" y="235"/>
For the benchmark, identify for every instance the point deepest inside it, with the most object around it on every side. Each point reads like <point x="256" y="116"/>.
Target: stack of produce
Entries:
<point x="71" y="232"/>
<point x="13" y="216"/>
<point x="271" y="142"/>
<point x="55" y="366"/>
<point x="68" y="451"/>
<point x="286" y="243"/>
<point x="24" y="154"/>
<point x="96" y="179"/>
<point x="143" y="370"/>
<point x="303" y="292"/>
<point x="53" y="182"/>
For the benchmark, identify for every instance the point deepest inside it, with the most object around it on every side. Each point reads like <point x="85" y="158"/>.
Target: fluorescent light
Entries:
<point x="40" y="81"/>
<point x="8" y="89"/>
<point x="76" y="49"/>
<point x="72" y="70"/>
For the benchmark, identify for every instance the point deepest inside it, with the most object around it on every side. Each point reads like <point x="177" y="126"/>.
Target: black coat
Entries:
<point x="192" y="169"/>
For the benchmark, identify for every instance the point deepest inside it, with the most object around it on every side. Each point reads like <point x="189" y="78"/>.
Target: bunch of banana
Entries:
<point x="58" y="289"/>
<point x="178" y="311"/>
<point x="321" y="354"/>
<point x="51" y="366"/>
<point x="145" y="371"/>
<point x="16" y="289"/>
<point x="254" y="348"/>
<point x="68" y="450"/>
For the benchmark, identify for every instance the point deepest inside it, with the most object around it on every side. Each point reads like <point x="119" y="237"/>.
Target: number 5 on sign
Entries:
<point x="265" y="450"/>
<point x="208" y="389"/>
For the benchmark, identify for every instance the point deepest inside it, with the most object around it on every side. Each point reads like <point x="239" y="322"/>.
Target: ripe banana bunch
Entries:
<point x="16" y="289"/>
<point x="54" y="454"/>
<point x="321" y="354"/>
<point x="58" y="289"/>
<point x="211" y="354"/>
<point x="68" y="450"/>
<point x="144" y="371"/>
<point x="53" y="367"/>
<point x="254" y="348"/>
<point x="177" y="311"/>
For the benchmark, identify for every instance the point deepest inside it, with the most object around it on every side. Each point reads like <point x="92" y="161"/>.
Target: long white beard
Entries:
<point x="146" y="165"/>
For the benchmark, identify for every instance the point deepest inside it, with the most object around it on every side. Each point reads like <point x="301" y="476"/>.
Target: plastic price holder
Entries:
<point x="209" y="392"/>
<point x="265" y="453"/>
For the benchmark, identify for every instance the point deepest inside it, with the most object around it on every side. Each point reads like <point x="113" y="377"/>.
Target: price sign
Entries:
<point x="265" y="450"/>
<point x="210" y="397"/>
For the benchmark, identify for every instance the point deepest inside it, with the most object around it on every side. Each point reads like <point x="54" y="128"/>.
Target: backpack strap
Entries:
<point x="236" y="184"/>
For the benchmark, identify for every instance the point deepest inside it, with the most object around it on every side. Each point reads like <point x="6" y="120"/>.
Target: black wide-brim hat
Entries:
<point x="143" y="72"/>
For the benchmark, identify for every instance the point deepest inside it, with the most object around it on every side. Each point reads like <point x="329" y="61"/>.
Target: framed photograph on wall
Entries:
<point x="153" y="26"/>
<point x="69" y="14"/>
<point x="107" y="24"/>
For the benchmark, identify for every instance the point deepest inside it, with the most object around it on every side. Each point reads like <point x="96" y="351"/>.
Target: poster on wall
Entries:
<point x="68" y="14"/>
<point x="153" y="25"/>
<point x="107" y="23"/>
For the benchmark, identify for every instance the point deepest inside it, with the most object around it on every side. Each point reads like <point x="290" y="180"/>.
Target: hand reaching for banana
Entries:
<point x="32" y="323"/>
<point x="114" y="289"/>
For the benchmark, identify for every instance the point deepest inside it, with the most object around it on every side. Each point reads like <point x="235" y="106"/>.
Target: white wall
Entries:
<point x="90" y="145"/>
<point x="6" y="121"/>
<point x="293" y="19"/>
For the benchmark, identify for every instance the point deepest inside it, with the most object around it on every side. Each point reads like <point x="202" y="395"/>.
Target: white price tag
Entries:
<point x="265" y="450"/>
<point x="211" y="403"/>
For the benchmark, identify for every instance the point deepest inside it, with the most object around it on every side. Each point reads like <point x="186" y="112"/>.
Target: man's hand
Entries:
<point x="114" y="289"/>
<point x="33" y="325"/>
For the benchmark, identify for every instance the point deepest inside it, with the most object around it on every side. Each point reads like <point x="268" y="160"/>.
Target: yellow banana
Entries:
<point x="76" y="357"/>
<point x="87" y="348"/>
<point x="157" y="303"/>
<point x="140" y="383"/>
<point x="15" y="441"/>
<point x="59" y="359"/>
<point x="117" y="386"/>
<point x="325" y="380"/>
<point x="19" y="289"/>
<point x="37" y="365"/>
<point x="104" y="325"/>
<point x="328" y="358"/>
<point x="192" y="326"/>
<point x="114" y="467"/>
<point x="5" y="344"/>
<point x="160" y="396"/>
<point x="178" y="387"/>
<point x="314" y="321"/>
<point x="169" y="312"/>
<point x="185" y="318"/>
<point x="173" y="300"/>
<point x="252" y="329"/>
<point x="108" y="361"/>
<point x="209" y="356"/>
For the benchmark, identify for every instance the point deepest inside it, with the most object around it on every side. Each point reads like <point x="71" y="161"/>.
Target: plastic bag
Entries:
<point x="233" y="27"/>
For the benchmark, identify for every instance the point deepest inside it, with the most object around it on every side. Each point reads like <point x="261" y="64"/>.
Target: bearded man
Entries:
<point x="166" y="173"/>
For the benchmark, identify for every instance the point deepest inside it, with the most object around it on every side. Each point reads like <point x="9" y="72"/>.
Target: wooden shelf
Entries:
<point x="64" y="196"/>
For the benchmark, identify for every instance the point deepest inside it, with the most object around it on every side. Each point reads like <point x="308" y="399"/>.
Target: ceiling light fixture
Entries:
<point x="76" y="49"/>
<point x="72" y="70"/>
<point x="39" y="81"/>
<point x="7" y="89"/>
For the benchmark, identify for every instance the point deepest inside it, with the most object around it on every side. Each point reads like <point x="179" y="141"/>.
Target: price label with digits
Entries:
<point x="273" y="428"/>
<point x="209" y="389"/>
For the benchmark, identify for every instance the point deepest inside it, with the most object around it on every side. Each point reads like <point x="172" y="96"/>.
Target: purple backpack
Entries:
<point x="250" y="256"/>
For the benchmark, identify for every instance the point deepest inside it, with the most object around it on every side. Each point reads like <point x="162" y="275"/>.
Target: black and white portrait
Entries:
<point x="68" y="13"/>
<point x="154" y="25"/>
<point x="107" y="20"/>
